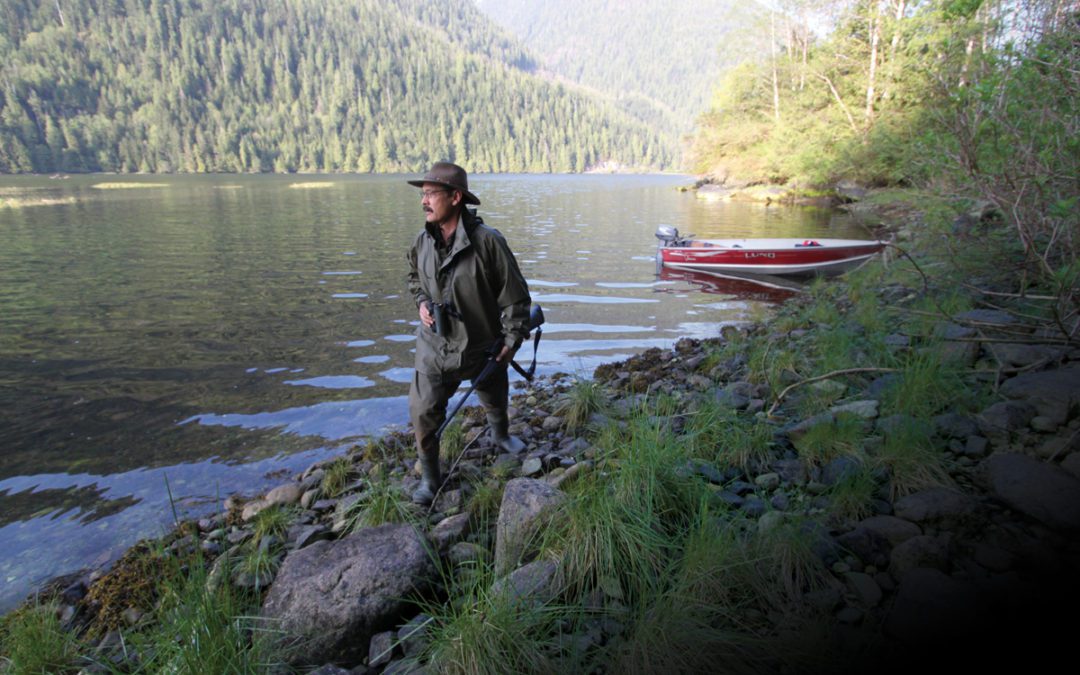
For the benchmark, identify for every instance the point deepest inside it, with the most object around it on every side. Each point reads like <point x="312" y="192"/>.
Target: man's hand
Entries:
<point x="505" y="355"/>
<point x="425" y="315"/>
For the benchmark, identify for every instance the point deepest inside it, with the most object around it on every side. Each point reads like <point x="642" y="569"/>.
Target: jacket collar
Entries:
<point x="467" y="223"/>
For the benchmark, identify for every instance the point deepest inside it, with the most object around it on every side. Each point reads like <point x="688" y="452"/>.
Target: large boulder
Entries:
<point x="939" y="506"/>
<point x="1055" y="394"/>
<point x="527" y="503"/>
<point x="1040" y="490"/>
<point x="330" y="598"/>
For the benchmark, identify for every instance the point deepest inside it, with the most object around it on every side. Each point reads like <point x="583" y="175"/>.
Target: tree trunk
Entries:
<point x="836" y="95"/>
<point x="875" y="35"/>
<point x="775" y="77"/>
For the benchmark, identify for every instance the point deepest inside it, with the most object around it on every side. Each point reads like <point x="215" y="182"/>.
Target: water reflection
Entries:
<point x="762" y="288"/>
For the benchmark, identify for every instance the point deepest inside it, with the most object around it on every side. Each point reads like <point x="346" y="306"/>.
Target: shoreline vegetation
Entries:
<point x="888" y="463"/>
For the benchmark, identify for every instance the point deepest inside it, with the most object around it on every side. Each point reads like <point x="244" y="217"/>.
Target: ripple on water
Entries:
<point x="334" y="382"/>
<point x="404" y="375"/>
<point x="374" y="358"/>
<point x="590" y="299"/>
<point x="624" y="284"/>
<point x="551" y="284"/>
<point x="350" y="295"/>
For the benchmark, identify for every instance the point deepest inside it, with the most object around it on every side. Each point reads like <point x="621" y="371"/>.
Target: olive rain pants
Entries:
<point x="430" y="393"/>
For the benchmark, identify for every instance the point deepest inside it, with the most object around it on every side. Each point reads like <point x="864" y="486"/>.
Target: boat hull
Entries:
<point x="770" y="256"/>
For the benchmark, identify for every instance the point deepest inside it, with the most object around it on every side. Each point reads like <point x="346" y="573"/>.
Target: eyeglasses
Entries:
<point x="426" y="194"/>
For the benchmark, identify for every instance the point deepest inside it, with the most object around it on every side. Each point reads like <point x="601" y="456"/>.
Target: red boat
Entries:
<point x="763" y="256"/>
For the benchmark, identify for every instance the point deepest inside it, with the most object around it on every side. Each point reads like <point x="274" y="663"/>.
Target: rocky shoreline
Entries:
<point x="965" y="555"/>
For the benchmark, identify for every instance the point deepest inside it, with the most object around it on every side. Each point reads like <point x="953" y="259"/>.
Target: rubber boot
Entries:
<point x="500" y="431"/>
<point x="430" y="476"/>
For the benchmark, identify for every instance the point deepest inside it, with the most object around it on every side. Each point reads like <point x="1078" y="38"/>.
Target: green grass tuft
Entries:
<point x="382" y="502"/>
<point x="584" y="398"/>
<point x="337" y="476"/>
<point x="32" y="640"/>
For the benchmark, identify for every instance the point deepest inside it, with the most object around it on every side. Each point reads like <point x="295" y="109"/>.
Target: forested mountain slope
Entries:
<point x="662" y="58"/>
<point x="290" y="85"/>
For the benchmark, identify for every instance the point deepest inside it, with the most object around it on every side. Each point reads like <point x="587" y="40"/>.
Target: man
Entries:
<point x="470" y="294"/>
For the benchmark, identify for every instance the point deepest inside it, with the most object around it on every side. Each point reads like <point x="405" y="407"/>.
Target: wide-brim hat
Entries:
<point x="449" y="175"/>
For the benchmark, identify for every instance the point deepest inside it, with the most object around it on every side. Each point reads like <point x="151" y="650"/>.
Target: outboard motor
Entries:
<point x="667" y="235"/>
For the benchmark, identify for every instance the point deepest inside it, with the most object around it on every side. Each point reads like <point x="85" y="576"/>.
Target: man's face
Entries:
<point x="439" y="203"/>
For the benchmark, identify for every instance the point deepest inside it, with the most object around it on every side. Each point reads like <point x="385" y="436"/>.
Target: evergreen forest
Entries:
<point x="292" y="86"/>
<point x="660" y="59"/>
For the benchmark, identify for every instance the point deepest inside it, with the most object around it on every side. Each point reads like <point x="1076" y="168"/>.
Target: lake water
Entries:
<point x="205" y="335"/>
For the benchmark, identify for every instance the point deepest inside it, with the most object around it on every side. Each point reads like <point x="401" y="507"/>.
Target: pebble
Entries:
<point x="768" y="481"/>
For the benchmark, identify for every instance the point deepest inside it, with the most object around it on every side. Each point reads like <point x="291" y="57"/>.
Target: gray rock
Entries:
<point x="953" y="331"/>
<point x="953" y="425"/>
<point x="754" y="507"/>
<point x="730" y="498"/>
<point x="864" y="588"/>
<point x="413" y="635"/>
<point x="532" y="584"/>
<point x="381" y="649"/>
<point x="962" y="354"/>
<point x="894" y="424"/>
<point x="1013" y="355"/>
<point x="770" y="520"/>
<point x="869" y="546"/>
<point x="732" y="398"/>
<point x="449" y="531"/>
<point x="331" y="597"/>
<point x="988" y="316"/>
<point x="894" y="530"/>
<point x="1043" y="424"/>
<point x="919" y="552"/>
<point x="552" y="423"/>
<point x="1055" y="394"/>
<point x="791" y="471"/>
<point x="864" y="409"/>
<point x="466" y="552"/>
<point x="768" y="481"/>
<point x="283" y="495"/>
<point x="937" y="505"/>
<point x="706" y="471"/>
<point x="573" y="472"/>
<point x="253" y="508"/>
<point x="780" y="501"/>
<point x="976" y="446"/>
<point x="1042" y="491"/>
<point x="533" y="466"/>
<point x="896" y="340"/>
<point x="877" y="388"/>
<point x="840" y="469"/>
<point x="306" y="535"/>
<point x="329" y="669"/>
<point x="1005" y="417"/>
<point x="801" y="428"/>
<point x="527" y="504"/>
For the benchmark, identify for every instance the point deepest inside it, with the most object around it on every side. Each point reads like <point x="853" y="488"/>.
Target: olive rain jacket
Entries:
<point x="480" y="276"/>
